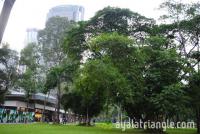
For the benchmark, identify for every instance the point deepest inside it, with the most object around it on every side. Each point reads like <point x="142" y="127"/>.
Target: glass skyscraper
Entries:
<point x="72" y="12"/>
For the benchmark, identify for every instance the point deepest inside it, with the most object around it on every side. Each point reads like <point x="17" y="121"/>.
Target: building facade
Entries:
<point x="16" y="108"/>
<point x="72" y="12"/>
<point x="31" y="36"/>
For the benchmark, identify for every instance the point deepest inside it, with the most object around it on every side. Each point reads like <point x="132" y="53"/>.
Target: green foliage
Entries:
<point x="29" y="78"/>
<point x="123" y="53"/>
<point x="28" y="82"/>
<point x="196" y="55"/>
<point x="53" y="77"/>
<point x="170" y="100"/>
<point x="193" y="93"/>
<point x="96" y="82"/>
<point x="159" y="78"/>
<point x="73" y="100"/>
<point x="121" y="57"/>
<point x="111" y="20"/>
<point x="29" y="56"/>
<point x="183" y="33"/>
<point x="177" y="11"/>
<point x="58" y="74"/>
<point x="193" y="89"/>
<point x="8" y="70"/>
<point x="151" y="72"/>
<point x="107" y="20"/>
<point x="122" y="21"/>
<point x="163" y="70"/>
<point x="113" y="45"/>
<point x="75" y="42"/>
<point x="51" y="39"/>
<point x="159" y="43"/>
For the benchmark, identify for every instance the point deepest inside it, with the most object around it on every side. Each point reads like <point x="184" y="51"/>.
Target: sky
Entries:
<point x="32" y="14"/>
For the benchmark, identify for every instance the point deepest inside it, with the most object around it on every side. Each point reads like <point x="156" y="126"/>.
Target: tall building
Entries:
<point x="31" y="36"/>
<point x="72" y="12"/>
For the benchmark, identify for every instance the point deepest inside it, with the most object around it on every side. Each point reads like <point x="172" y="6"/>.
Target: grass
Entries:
<point x="39" y="128"/>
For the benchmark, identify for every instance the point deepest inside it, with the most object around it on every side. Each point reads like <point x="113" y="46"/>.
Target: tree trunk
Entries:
<point x="198" y="120"/>
<point x="27" y="110"/>
<point x="176" y="121"/>
<point x="198" y="50"/>
<point x="107" y="111"/>
<point x="43" y="112"/>
<point x="58" y="105"/>
<point x="87" y="118"/>
<point x="88" y="123"/>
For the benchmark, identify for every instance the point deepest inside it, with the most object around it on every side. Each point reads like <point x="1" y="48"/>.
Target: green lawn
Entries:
<point x="70" y="129"/>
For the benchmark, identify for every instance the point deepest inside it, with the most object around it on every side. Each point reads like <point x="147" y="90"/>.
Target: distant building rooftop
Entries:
<point x="36" y="96"/>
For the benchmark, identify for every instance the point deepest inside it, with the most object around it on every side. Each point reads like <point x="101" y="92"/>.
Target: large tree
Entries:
<point x="193" y="92"/>
<point x="96" y="83"/>
<point x="162" y="75"/>
<point x="9" y="62"/>
<point x="182" y="28"/>
<point x="59" y="78"/>
<point x="155" y="64"/>
<point x="107" y="20"/>
<point x="126" y="55"/>
<point x="29" y="65"/>
<point x="50" y="41"/>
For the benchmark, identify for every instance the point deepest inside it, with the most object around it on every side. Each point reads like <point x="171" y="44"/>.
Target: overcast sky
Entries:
<point x="32" y="14"/>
